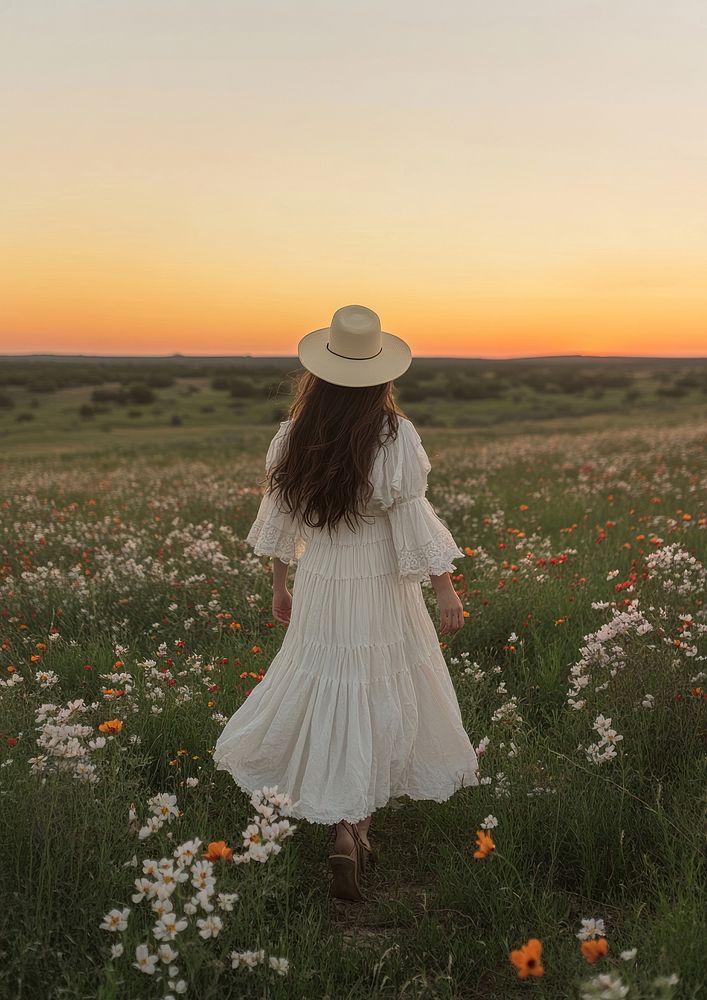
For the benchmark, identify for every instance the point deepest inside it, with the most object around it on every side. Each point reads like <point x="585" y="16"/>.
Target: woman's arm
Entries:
<point x="451" y="609"/>
<point x="281" y="597"/>
<point x="279" y="575"/>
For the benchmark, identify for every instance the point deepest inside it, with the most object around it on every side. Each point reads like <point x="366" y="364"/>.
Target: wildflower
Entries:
<point x="145" y="962"/>
<point x="116" y="920"/>
<point x="489" y="823"/>
<point x="528" y="959"/>
<point x="280" y="965"/>
<point x="604" y="987"/>
<point x="185" y="853"/>
<point x="202" y="875"/>
<point x="167" y="953"/>
<point x="210" y="926"/>
<point x="116" y="950"/>
<point x="628" y="956"/>
<point x="153" y="824"/>
<point x="218" y="850"/>
<point x="592" y="950"/>
<point x="484" y="843"/>
<point x="111" y="726"/>
<point x="168" y="926"/>
<point x="246" y="958"/>
<point x="164" y="806"/>
<point x="664" y="983"/>
<point x="591" y="928"/>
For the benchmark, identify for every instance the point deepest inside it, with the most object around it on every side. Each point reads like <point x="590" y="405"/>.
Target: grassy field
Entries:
<point x="134" y="620"/>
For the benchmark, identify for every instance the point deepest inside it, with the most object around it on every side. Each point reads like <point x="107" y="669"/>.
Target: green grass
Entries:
<point x="103" y="537"/>
<point x="51" y="422"/>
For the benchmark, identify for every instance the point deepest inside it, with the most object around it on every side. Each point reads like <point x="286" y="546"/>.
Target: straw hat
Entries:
<point x="354" y="350"/>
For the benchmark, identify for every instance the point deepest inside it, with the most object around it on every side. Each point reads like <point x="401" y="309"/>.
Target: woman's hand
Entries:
<point x="451" y="610"/>
<point x="282" y="605"/>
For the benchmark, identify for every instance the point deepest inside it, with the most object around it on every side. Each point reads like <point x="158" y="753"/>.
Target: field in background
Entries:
<point x="64" y="404"/>
<point x="128" y="597"/>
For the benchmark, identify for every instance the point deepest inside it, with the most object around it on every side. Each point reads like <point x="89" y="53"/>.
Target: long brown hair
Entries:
<point x="333" y="436"/>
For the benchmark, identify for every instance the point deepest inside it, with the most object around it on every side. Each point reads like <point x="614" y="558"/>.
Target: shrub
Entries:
<point x="140" y="393"/>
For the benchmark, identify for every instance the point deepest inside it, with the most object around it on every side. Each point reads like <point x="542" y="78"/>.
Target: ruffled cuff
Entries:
<point x="423" y="543"/>
<point x="275" y="532"/>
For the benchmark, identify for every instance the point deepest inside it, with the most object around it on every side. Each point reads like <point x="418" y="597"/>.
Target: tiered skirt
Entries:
<point x="357" y="706"/>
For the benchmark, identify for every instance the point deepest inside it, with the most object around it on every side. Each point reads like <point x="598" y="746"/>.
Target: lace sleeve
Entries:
<point x="423" y="542"/>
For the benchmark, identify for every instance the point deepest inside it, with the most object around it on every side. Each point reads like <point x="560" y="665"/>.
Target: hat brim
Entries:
<point x="394" y="359"/>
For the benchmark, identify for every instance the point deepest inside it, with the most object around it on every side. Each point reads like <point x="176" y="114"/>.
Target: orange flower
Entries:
<point x="255" y="649"/>
<point x="485" y="844"/>
<point x="528" y="959"/>
<point x="218" y="850"/>
<point x="594" y="949"/>
<point x="111" y="726"/>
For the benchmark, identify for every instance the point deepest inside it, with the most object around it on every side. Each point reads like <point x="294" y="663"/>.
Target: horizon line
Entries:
<point x="294" y="357"/>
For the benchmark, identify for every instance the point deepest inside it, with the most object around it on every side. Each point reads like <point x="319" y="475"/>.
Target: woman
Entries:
<point x="357" y="706"/>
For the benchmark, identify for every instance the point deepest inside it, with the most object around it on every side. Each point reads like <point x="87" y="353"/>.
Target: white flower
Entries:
<point x="167" y="953"/>
<point x="591" y="928"/>
<point x="202" y="874"/>
<point x="202" y="898"/>
<point x="116" y="950"/>
<point x="628" y="956"/>
<point x="164" y="805"/>
<point x="600" y="724"/>
<point x="246" y="958"/>
<point x="210" y="926"/>
<point x="663" y="982"/>
<point x="489" y="823"/>
<point x="145" y="889"/>
<point x="145" y="961"/>
<point x="186" y="853"/>
<point x="168" y="926"/>
<point x="227" y="899"/>
<point x="604" y="987"/>
<point x="161" y="904"/>
<point x="280" y="965"/>
<point x="116" y="920"/>
<point x="153" y="824"/>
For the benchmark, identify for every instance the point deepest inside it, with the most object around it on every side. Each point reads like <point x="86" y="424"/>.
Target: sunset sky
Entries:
<point x="495" y="179"/>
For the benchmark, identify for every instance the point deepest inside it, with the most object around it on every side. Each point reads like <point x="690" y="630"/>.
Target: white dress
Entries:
<point x="357" y="706"/>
